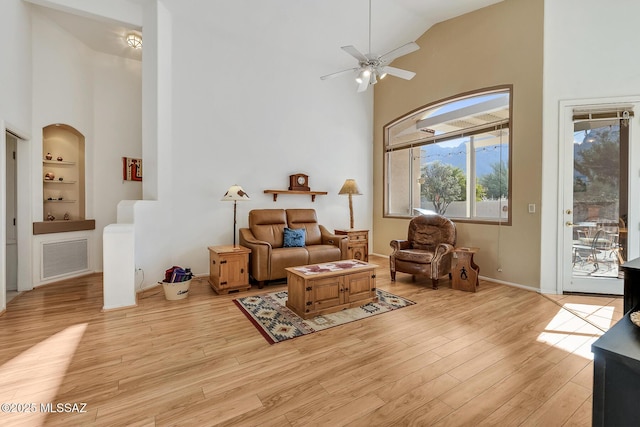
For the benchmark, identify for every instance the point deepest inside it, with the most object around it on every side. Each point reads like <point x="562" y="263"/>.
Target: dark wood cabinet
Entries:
<point x="616" y="375"/>
<point x="631" y="271"/>
<point x="616" y="362"/>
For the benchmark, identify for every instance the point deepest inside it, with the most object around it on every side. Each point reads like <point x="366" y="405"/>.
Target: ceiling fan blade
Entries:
<point x="339" y="73"/>
<point x="398" y="52"/>
<point x="351" y="50"/>
<point x="403" y="74"/>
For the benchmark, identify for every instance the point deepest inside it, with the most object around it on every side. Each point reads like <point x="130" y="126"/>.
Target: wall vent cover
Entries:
<point x="60" y="258"/>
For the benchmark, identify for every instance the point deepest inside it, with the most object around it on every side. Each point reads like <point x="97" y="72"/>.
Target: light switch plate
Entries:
<point x="532" y="208"/>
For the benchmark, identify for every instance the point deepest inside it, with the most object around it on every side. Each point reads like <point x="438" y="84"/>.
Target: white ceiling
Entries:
<point x="108" y="37"/>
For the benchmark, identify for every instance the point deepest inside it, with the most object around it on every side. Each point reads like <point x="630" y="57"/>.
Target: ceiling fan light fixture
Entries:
<point x="358" y="79"/>
<point x="383" y="75"/>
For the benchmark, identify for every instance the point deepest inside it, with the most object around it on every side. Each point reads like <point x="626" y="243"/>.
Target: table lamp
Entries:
<point x="350" y="187"/>
<point x="234" y="194"/>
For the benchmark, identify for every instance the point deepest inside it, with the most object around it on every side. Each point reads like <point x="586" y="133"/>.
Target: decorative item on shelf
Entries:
<point x="60" y="179"/>
<point x="234" y="194"/>
<point x="67" y="216"/>
<point x="299" y="182"/>
<point x="50" y="217"/>
<point x="350" y="188"/>
<point x="49" y="176"/>
<point x="59" y="158"/>
<point x="48" y="156"/>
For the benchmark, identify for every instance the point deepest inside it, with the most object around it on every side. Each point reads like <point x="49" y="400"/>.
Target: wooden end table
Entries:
<point x="228" y="268"/>
<point x="465" y="273"/>
<point x="357" y="243"/>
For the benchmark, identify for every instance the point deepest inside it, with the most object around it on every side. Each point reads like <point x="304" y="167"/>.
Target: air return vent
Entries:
<point x="62" y="258"/>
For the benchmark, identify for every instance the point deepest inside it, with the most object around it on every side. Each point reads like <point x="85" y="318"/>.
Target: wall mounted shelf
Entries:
<point x="313" y="194"/>
<point x="47" y="227"/>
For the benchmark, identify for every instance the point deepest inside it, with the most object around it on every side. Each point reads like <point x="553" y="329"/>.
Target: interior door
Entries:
<point x="596" y="204"/>
<point x="10" y="217"/>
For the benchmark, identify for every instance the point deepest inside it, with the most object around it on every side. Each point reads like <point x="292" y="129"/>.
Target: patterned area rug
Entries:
<point x="277" y="323"/>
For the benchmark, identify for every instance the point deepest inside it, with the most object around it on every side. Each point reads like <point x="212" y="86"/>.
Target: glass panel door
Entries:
<point x="599" y="206"/>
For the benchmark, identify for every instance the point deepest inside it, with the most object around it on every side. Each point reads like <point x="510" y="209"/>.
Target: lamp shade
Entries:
<point x="350" y="187"/>
<point x="235" y="193"/>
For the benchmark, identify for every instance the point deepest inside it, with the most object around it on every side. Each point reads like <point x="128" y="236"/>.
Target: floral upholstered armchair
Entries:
<point x="428" y="250"/>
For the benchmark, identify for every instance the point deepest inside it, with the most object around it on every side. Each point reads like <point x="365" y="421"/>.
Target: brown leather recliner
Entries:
<point x="428" y="249"/>
<point x="265" y="238"/>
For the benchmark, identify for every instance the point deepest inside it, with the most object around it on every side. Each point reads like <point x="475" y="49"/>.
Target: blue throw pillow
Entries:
<point x="294" y="237"/>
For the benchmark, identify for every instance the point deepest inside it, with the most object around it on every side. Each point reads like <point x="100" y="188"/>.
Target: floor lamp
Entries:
<point x="234" y="194"/>
<point x="350" y="187"/>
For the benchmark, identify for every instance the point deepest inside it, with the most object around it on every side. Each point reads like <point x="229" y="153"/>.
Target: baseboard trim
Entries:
<point x="491" y="279"/>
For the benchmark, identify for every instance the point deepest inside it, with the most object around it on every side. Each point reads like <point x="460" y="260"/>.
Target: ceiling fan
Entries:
<point x="372" y="67"/>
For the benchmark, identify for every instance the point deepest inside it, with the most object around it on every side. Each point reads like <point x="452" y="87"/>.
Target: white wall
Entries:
<point x="590" y="52"/>
<point x="236" y="99"/>
<point x="117" y="118"/>
<point x="15" y="72"/>
<point x="15" y="114"/>
<point x="248" y="107"/>
<point x="100" y="96"/>
<point x="62" y="93"/>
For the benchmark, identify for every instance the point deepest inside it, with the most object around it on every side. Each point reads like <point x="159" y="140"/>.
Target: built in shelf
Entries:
<point x="57" y="181"/>
<point x="57" y="162"/>
<point x="313" y="194"/>
<point x="60" y="201"/>
<point x="47" y="227"/>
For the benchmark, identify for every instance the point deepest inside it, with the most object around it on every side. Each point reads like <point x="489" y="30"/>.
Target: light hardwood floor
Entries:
<point x="502" y="356"/>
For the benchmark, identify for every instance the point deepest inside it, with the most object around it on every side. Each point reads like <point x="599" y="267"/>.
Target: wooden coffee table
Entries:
<point x="329" y="287"/>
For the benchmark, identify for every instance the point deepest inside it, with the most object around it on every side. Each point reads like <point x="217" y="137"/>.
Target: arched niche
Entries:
<point x="63" y="180"/>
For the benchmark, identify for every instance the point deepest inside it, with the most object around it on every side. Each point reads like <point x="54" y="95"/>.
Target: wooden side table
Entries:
<point x="357" y="244"/>
<point x="465" y="273"/>
<point x="228" y="268"/>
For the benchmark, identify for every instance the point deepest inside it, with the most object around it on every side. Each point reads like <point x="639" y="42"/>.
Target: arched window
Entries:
<point x="451" y="157"/>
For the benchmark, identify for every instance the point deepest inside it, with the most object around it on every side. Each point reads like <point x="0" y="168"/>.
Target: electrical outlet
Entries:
<point x="532" y="208"/>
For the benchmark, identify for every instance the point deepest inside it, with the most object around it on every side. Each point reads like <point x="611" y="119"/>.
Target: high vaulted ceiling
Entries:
<point x="388" y="21"/>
